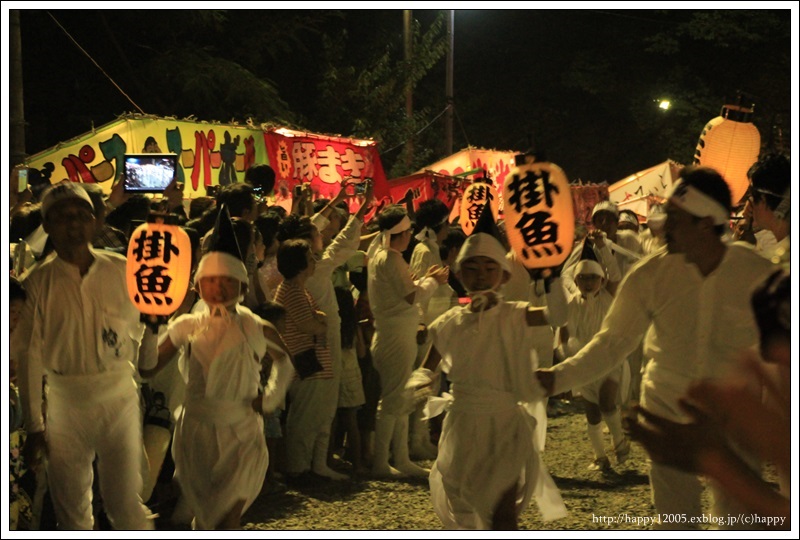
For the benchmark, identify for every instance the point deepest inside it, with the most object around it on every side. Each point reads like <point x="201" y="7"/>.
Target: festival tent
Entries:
<point x="446" y="179"/>
<point x="211" y="154"/>
<point x="638" y="191"/>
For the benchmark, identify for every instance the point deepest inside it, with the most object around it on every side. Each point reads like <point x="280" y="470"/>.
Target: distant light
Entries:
<point x="664" y="104"/>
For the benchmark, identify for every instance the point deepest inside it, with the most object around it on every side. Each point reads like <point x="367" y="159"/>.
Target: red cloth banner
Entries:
<point x="323" y="162"/>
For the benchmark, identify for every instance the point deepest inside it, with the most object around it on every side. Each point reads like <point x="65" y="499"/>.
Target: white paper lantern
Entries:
<point x="730" y="144"/>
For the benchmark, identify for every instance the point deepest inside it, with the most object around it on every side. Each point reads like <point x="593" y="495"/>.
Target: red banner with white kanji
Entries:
<point x="323" y="162"/>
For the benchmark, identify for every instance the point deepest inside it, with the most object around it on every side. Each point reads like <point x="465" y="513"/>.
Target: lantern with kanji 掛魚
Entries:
<point x="472" y="203"/>
<point x="730" y="144"/>
<point x="159" y="268"/>
<point x="539" y="218"/>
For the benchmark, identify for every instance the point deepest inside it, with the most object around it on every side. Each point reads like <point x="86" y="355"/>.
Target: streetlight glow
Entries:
<point x="664" y="104"/>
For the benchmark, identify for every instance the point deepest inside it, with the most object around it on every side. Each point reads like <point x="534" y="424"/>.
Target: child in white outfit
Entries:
<point x="489" y="463"/>
<point x="219" y="448"/>
<point x="586" y="310"/>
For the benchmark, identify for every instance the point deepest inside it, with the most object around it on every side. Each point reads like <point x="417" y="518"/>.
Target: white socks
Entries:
<point x="614" y="423"/>
<point x="596" y="438"/>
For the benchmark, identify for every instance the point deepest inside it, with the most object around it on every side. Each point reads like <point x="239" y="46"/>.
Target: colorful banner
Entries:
<point x="426" y="186"/>
<point x="496" y="163"/>
<point x="212" y="154"/>
<point x="324" y="162"/>
<point x="649" y="182"/>
<point x="584" y="197"/>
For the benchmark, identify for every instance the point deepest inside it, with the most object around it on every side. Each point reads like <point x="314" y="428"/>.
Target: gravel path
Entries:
<point x="367" y="504"/>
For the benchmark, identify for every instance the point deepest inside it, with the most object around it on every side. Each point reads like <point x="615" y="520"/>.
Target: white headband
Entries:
<point x="385" y="237"/>
<point x="219" y="263"/>
<point x="588" y="266"/>
<point x="627" y="218"/>
<point x="483" y="245"/>
<point x="404" y="225"/>
<point x="697" y="203"/>
<point x="607" y="206"/>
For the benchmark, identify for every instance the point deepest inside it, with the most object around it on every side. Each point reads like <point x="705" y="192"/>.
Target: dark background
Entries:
<point x="578" y="86"/>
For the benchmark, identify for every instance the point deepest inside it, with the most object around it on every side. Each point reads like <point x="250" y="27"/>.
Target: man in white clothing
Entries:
<point x="694" y="297"/>
<point x="79" y="328"/>
<point x="393" y="295"/>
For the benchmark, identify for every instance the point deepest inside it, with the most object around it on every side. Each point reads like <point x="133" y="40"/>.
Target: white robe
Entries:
<point x="488" y="441"/>
<point x="219" y="447"/>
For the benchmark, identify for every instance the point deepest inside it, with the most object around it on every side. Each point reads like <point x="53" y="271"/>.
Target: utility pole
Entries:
<point x="449" y="85"/>
<point x="409" y="86"/>
<point x="16" y="104"/>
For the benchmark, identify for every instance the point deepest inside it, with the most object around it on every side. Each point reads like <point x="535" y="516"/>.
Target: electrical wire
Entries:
<point x="95" y="63"/>
<point x="417" y="133"/>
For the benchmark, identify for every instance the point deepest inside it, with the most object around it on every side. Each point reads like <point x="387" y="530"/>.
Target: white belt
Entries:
<point x="219" y="411"/>
<point x="90" y="389"/>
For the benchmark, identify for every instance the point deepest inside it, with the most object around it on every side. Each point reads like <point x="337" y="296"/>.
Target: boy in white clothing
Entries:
<point x="219" y="449"/>
<point x="585" y="312"/>
<point x="489" y="462"/>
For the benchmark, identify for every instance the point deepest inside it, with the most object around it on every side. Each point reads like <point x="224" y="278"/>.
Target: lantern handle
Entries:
<point x="153" y="321"/>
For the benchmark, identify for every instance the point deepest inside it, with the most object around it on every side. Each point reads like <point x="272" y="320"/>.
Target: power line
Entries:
<point x="417" y="133"/>
<point x="95" y="63"/>
<point x="461" y="124"/>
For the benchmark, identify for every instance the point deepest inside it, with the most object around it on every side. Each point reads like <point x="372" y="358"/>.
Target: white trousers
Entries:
<point x="111" y="430"/>
<point x="312" y="407"/>
<point x="394" y="350"/>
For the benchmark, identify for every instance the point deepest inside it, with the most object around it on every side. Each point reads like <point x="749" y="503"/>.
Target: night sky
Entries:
<point x="577" y="85"/>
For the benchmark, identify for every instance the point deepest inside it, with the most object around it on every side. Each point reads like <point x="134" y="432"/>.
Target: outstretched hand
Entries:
<point x="118" y="195"/>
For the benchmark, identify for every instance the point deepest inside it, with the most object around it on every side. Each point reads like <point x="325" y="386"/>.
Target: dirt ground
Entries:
<point x="365" y="504"/>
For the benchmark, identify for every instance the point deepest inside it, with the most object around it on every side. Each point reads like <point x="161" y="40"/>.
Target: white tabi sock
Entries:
<point x="614" y="423"/>
<point x="596" y="438"/>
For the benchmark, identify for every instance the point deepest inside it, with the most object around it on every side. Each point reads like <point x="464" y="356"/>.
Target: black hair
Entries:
<point x="16" y="290"/>
<point x="770" y="177"/>
<point x="243" y="230"/>
<point x="24" y="222"/>
<point x="391" y="216"/>
<point x="279" y="210"/>
<point x="199" y="205"/>
<point x="147" y="142"/>
<point x="136" y="208"/>
<point x="454" y="240"/>
<point x="267" y="225"/>
<point x="262" y="178"/>
<point x="238" y="198"/>
<point x="295" y="226"/>
<point x="709" y="182"/>
<point x="292" y="257"/>
<point x="432" y="213"/>
<point x="271" y="311"/>
<point x="772" y="308"/>
<point x="347" y="313"/>
<point x="319" y="204"/>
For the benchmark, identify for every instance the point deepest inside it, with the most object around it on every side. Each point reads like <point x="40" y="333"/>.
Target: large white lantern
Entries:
<point x="730" y="144"/>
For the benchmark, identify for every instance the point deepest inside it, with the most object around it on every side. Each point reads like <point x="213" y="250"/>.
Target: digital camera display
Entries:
<point x="149" y="173"/>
